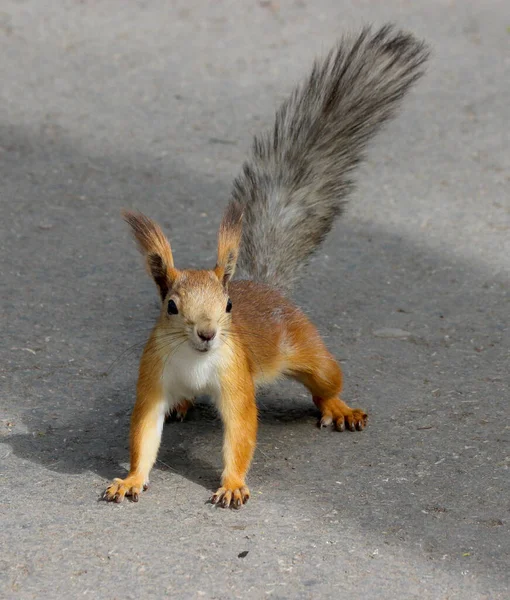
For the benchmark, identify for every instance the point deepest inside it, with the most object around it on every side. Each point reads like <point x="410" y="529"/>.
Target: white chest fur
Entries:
<point x="189" y="373"/>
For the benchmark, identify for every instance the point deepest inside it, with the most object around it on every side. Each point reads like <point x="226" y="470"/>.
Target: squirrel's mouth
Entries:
<point x="203" y="346"/>
<point x="201" y="349"/>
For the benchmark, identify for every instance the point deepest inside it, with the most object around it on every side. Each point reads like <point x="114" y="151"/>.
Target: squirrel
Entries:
<point x="223" y="337"/>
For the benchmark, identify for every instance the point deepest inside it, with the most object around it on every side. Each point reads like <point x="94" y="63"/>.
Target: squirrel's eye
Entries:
<point x="229" y="305"/>
<point x="172" y="308"/>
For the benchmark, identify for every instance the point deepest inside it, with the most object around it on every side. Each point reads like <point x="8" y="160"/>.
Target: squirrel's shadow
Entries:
<point x="101" y="445"/>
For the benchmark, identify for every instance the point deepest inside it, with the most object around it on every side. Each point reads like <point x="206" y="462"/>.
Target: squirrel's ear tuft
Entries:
<point x="154" y="246"/>
<point x="229" y="239"/>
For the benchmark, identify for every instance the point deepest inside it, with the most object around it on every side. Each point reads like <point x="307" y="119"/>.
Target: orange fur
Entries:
<point x="229" y="238"/>
<point x="264" y="337"/>
<point x="146" y="424"/>
<point x="239" y="414"/>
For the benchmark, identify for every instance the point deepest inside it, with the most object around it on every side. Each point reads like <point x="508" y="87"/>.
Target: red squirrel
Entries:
<point x="223" y="337"/>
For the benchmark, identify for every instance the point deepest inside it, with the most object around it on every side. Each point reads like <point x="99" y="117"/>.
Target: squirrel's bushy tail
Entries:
<point x="297" y="179"/>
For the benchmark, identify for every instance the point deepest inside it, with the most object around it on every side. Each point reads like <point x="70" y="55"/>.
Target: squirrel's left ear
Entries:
<point x="229" y="239"/>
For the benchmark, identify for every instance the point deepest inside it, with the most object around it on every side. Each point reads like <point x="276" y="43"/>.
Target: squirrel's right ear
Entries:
<point x="154" y="246"/>
<point x="229" y="239"/>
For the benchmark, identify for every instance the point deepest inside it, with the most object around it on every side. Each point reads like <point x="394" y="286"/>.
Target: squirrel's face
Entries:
<point x="196" y="307"/>
<point x="197" y="310"/>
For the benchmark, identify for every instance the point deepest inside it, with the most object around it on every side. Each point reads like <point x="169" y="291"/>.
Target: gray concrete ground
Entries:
<point x="152" y="105"/>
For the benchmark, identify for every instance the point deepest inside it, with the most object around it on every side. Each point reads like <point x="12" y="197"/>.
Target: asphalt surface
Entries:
<point x="152" y="105"/>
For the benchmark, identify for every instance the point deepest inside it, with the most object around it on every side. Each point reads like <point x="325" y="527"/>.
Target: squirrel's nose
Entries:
<point x="206" y="335"/>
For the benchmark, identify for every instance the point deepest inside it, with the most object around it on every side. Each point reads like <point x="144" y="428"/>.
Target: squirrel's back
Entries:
<point x="299" y="174"/>
<point x="273" y="332"/>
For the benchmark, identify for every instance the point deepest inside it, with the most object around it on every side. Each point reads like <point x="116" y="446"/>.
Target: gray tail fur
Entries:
<point x="298" y="177"/>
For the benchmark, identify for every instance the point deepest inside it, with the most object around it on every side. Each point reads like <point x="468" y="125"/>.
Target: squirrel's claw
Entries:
<point x="356" y="421"/>
<point x="343" y="417"/>
<point x="227" y="498"/>
<point x="119" y="488"/>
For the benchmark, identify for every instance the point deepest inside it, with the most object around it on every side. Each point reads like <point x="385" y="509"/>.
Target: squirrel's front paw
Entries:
<point x="131" y="486"/>
<point x="227" y="497"/>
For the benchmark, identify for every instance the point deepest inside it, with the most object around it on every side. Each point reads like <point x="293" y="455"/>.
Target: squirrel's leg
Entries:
<point x="179" y="412"/>
<point x="239" y="414"/>
<point x="145" y="434"/>
<point x="317" y="369"/>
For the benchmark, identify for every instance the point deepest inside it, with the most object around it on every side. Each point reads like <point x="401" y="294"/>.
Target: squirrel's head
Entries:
<point x="196" y="307"/>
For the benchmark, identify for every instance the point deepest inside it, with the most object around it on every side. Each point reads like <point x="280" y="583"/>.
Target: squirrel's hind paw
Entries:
<point x="178" y="412"/>
<point x="342" y="416"/>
